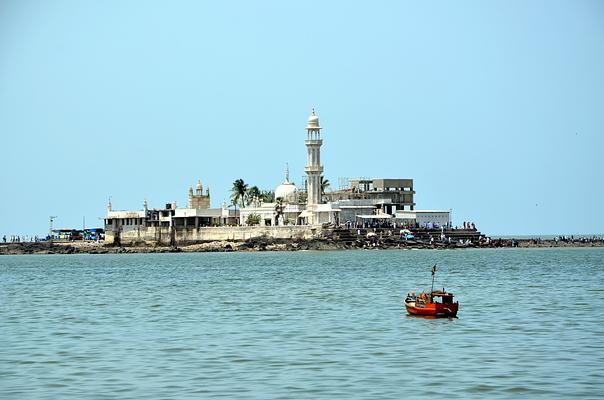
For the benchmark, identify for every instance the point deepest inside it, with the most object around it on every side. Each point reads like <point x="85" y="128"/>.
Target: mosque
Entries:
<point x="299" y="210"/>
<point x="288" y="209"/>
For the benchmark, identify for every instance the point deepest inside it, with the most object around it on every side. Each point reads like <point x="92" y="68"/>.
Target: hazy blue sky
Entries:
<point x="495" y="109"/>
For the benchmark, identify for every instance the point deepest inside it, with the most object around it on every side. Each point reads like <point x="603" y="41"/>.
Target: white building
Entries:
<point x="424" y="218"/>
<point x="287" y="210"/>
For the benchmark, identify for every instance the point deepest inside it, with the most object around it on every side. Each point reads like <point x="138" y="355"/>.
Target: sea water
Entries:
<point x="301" y="325"/>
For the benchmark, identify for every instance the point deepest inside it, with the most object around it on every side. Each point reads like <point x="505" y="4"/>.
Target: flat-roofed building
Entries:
<point x="390" y="195"/>
<point x="429" y="219"/>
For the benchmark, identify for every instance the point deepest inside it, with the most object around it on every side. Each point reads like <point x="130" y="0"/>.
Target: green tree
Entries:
<point x="238" y="192"/>
<point x="268" y="196"/>
<point x="279" y="207"/>
<point x="253" y="219"/>
<point x="324" y="185"/>
<point x="252" y="193"/>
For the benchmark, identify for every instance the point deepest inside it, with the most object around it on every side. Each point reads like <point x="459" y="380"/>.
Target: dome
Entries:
<point x="287" y="191"/>
<point x="313" y="120"/>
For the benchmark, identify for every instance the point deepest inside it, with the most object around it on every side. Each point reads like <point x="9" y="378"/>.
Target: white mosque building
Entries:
<point x="364" y="202"/>
<point x="287" y="210"/>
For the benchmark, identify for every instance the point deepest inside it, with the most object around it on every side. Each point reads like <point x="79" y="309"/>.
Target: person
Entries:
<point x="4" y="238"/>
<point x="422" y="297"/>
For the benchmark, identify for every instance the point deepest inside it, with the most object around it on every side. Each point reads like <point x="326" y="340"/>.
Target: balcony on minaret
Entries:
<point x="313" y="169"/>
<point x="313" y="142"/>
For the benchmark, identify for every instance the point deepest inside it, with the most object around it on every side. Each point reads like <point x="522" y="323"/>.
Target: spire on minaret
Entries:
<point x="286" y="173"/>
<point x="199" y="188"/>
<point x="109" y="206"/>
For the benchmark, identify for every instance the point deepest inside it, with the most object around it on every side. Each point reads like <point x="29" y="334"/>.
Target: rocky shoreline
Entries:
<point x="268" y="244"/>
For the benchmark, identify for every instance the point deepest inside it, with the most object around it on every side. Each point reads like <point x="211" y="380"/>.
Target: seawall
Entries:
<point x="167" y="236"/>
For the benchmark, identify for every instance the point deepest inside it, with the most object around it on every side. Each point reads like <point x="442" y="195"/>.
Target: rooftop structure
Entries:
<point x="199" y="200"/>
<point x="389" y="194"/>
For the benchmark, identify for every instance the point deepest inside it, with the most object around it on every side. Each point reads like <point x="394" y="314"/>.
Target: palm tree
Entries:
<point x="324" y="185"/>
<point x="279" y="207"/>
<point x="238" y="192"/>
<point x="252" y="193"/>
<point x="268" y="196"/>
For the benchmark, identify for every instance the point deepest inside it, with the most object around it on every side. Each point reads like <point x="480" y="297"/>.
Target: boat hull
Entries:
<point x="432" y="309"/>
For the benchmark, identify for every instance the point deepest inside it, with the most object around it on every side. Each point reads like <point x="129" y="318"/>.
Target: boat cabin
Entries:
<point x="442" y="297"/>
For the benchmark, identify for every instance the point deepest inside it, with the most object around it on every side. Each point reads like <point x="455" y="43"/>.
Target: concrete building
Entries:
<point x="389" y="195"/>
<point x="428" y="219"/>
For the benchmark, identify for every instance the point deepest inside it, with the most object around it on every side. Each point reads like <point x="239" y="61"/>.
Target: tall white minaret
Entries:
<point x="313" y="168"/>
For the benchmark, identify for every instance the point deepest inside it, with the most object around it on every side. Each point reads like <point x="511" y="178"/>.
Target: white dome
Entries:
<point x="313" y="120"/>
<point x="287" y="191"/>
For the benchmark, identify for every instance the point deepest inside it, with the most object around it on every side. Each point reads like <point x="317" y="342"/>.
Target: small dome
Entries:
<point x="287" y="191"/>
<point x="313" y="120"/>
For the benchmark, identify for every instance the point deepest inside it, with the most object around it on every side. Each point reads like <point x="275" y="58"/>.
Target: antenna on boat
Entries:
<point x="433" y="273"/>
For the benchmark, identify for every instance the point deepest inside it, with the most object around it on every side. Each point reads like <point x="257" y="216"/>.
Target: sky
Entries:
<point x="494" y="108"/>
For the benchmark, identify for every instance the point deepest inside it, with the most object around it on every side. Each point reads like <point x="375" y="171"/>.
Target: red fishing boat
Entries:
<point x="434" y="304"/>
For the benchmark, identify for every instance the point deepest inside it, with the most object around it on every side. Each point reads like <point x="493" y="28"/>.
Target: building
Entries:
<point x="160" y="224"/>
<point x="428" y="219"/>
<point x="361" y="201"/>
<point x="287" y="208"/>
<point x="198" y="200"/>
<point x="389" y="195"/>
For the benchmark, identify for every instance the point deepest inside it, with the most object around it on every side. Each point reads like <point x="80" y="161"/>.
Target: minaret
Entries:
<point x="313" y="168"/>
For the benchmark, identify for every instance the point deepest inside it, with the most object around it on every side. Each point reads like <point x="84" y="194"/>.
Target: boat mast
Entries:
<point x="433" y="273"/>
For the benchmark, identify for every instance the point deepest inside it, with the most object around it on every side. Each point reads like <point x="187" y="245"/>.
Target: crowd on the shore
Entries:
<point x="21" y="239"/>
<point x="581" y="239"/>
<point x="387" y="224"/>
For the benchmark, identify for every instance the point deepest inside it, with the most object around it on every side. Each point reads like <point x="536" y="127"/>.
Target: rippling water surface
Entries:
<point x="301" y="325"/>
